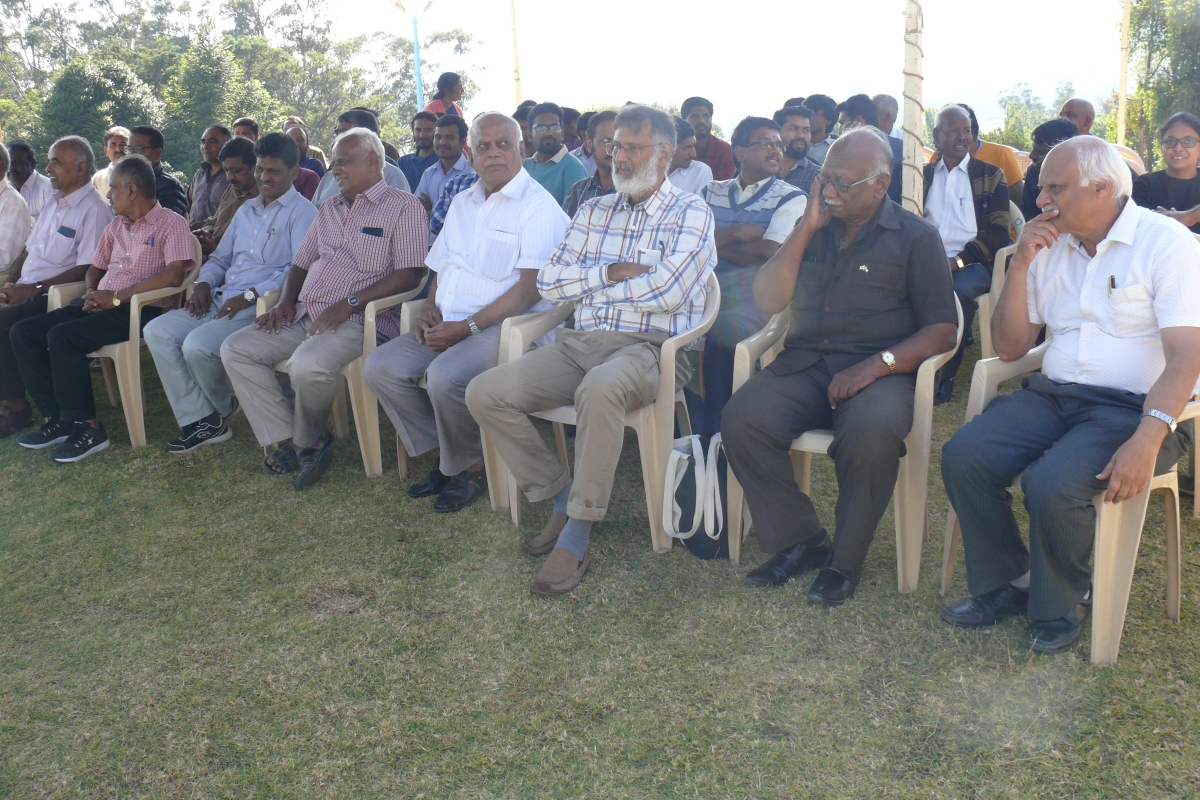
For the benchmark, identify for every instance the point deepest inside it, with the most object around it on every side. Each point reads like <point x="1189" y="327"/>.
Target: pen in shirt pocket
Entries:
<point x="1112" y="284"/>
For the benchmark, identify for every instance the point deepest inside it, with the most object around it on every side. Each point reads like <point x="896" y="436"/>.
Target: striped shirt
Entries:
<point x="14" y="223"/>
<point x="350" y="247"/>
<point x="438" y="218"/>
<point x="670" y="231"/>
<point x="130" y="252"/>
<point x="586" y="189"/>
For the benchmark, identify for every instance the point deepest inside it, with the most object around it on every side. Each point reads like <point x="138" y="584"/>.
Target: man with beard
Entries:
<point x="712" y="151"/>
<point x="634" y="264"/>
<point x="552" y="165"/>
<point x="600" y="132"/>
<point x="688" y="172"/>
<point x="413" y="165"/>
<point x="209" y="183"/>
<point x="871" y="299"/>
<point x="795" y="133"/>
<point x="238" y="159"/>
<point x="754" y="214"/>
<point x="825" y="116"/>
<point x="448" y="139"/>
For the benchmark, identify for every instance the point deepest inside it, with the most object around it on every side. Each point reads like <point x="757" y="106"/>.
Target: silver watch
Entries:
<point x="250" y="296"/>
<point x="471" y="324"/>
<point x="353" y="301"/>
<point x="1167" y="418"/>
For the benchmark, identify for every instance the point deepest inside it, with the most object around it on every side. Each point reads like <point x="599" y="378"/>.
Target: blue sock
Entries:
<point x="575" y="537"/>
<point x="560" y="499"/>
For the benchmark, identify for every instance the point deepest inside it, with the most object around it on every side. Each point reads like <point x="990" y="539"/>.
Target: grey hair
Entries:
<point x="881" y="162"/>
<point x="886" y="102"/>
<point x="83" y="151"/>
<point x="636" y="117"/>
<point x="937" y="120"/>
<point x="5" y="160"/>
<point x="1098" y="161"/>
<point x="367" y="138"/>
<point x="137" y="170"/>
<point x="514" y="130"/>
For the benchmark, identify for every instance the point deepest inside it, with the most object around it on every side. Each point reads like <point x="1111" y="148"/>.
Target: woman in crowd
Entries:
<point x="1175" y="191"/>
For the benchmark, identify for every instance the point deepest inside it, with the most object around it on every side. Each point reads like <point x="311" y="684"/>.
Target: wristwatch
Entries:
<point x="471" y="324"/>
<point x="250" y="295"/>
<point x="353" y="301"/>
<point x="1167" y="418"/>
<point x="116" y="300"/>
<point x="958" y="263"/>
<point x="889" y="359"/>
<point x="41" y="287"/>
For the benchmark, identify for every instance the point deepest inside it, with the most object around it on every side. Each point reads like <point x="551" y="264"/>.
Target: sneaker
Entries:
<point x="53" y="432"/>
<point x="210" y="430"/>
<point x="83" y="441"/>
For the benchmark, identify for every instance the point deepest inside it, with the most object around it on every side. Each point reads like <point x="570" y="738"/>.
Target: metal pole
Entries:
<point x="512" y="5"/>
<point x="1122" y="94"/>
<point x="417" y="60"/>
<point x="914" y="110"/>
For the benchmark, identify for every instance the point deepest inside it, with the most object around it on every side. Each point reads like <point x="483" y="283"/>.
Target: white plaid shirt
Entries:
<point x="671" y="231"/>
<point x="15" y="223"/>
<point x="350" y="247"/>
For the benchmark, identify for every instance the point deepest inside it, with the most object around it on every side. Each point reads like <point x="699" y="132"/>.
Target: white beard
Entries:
<point x="638" y="184"/>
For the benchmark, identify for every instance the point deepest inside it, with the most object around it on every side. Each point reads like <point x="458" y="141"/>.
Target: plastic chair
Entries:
<point x="653" y="423"/>
<point x="363" y="402"/>
<point x="987" y="303"/>
<point x="122" y="362"/>
<point x="911" y="494"/>
<point x="1118" y="526"/>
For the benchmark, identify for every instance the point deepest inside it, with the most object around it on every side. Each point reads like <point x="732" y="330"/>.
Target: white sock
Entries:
<point x="1021" y="582"/>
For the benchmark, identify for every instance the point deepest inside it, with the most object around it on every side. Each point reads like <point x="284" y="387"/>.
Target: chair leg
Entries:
<point x="1171" y="495"/>
<point x="401" y="458"/>
<point x="129" y="381"/>
<point x="985" y="327"/>
<point x="950" y="550"/>
<point x="1118" y="533"/>
<point x="654" y="468"/>
<point x="497" y="474"/>
<point x="734" y="500"/>
<point x="1192" y="468"/>
<point x="560" y="441"/>
<point x="802" y="470"/>
<point x="341" y="421"/>
<point x="110" y="382"/>
<point x="365" y="406"/>
<point x="514" y="500"/>
<point x="909" y="499"/>
<point x="682" y="419"/>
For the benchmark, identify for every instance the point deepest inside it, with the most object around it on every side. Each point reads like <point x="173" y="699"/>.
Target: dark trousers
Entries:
<point x="1057" y="437"/>
<point x="11" y="387"/>
<point x="970" y="283"/>
<point x="770" y="410"/>
<point x="52" y="353"/>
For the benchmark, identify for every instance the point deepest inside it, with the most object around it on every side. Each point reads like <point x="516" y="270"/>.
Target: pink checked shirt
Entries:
<point x="350" y="247"/>
<point x="131" y="252"/>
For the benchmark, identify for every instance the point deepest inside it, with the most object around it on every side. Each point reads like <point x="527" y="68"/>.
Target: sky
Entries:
<point x="580" y="55"/>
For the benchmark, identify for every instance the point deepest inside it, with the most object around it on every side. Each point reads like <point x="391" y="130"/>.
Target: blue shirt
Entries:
<point x="437" y="217"/>
<point x="256" y="251"/>
<point x="413" y="166"/>
<point x="314" y="165"/>
<point x="557" y="175"/>
<point x="433" y="180"/>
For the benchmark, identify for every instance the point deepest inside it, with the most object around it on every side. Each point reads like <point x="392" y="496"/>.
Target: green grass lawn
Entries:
<point x="186" y="626"/>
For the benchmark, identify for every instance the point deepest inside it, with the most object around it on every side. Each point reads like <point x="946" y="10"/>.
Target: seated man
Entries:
<point x="688" y="173"/>
<point x="15" y="222"/>
<point x="717" y="154"/>
<point x="299" y="135"/>
<point x="237" y="159"/>
<point x="58" y="251"/>
<point x="414" y="164"/>
<point x="209" y="182"/>
<point x="366" y="243"/>
<point x="634" y="264"/>
<point x="485" y="262"/>
<point x="22" y="173"/>
<point x="871" y="299"/>
<point x="998" y="155"/>
<point x="145" y="247"/>
<point x="1115" y="285"/>
<point x="552" y="165"/>
<point x="450" y="135"/>
<point x="251" y="260"/>
<point x="599" y="134"/>
<point x="754" y="214"/>
<point x="357" y="118"/>
<point x="859" y="110"/>
<point x="967" y="201"/>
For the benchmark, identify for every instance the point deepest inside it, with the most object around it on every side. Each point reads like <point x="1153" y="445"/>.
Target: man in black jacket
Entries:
<point x="147" y="141"/>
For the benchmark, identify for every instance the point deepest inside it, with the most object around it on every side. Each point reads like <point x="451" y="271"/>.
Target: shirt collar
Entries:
<point x="884" y="217"/>
<point x="152" y="215"/>
<point x="515" y="188"/>
<point x="74" y="198"/>
<point x="372" y="194"/>
<point x="1123" y="229"/>
<point x="557" y="157"/>
<point x="286" y="199"/>
<point x="962" y="165"/>
<point x="462" y="165"/>
<point x="655" y="202"/>
<point x="754" y="187"/>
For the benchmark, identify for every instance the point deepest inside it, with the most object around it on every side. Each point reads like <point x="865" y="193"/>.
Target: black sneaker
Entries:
<point x="83" y="441"/>
<point x="53" y="432"/>
<point x="210" y="430"/>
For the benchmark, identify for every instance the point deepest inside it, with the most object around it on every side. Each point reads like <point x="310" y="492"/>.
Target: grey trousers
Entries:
<point x="187" y="354"/>
<point x="604" y="374"/>
<point x="769" y="411"/>
<point x="315" y="363"/>
<point x="1057" y="437"/>
<point x="436" y="416"/>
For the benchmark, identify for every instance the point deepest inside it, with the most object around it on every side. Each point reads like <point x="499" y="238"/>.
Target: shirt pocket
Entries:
<point x="498" y="255"/>
<point x="373" y="249"/>
<point x="1130" y="311"/>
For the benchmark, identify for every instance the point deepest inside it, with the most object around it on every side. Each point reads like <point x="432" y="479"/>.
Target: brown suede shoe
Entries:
<point x="12" y="421"/>
<point x="544" y="541"/>
<point x="560" y="574"/>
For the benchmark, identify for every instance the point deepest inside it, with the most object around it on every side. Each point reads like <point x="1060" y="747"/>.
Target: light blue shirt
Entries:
<point x="328" y="187"/>
<point x="433" y="180"/>
<point x="256" y="251"/>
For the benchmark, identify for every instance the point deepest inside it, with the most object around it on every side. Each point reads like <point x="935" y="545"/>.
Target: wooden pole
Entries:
<point x="512" y="5"/>
<point x="1122" y="94"/>
<point x="914" y="110"/>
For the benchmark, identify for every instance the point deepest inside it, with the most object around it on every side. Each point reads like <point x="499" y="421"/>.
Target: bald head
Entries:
<point x="1079" y="111"/>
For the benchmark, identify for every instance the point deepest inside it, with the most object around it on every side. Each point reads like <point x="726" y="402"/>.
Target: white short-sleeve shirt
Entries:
<point x="486" y="241"/>
<point x="66" y="233"/>
<point x="693" y="178"/>
<point x="1105" y="312"/>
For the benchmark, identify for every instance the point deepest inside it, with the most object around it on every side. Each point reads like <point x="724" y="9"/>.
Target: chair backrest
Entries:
<point x="1018" y="221"/>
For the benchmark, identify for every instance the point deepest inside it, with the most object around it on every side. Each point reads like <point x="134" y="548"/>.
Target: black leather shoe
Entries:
<point x="945" y="391"/>
<point x="462" y="490"/>
<point x="832" y="587"/>
<point x="433" y="483"/>
<point x="988" y="608"/>
<point x="1057" y="635"/>
<point x="787" y="564"/>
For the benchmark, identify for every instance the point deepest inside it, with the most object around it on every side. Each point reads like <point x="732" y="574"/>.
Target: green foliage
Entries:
<point x="1023" y="112"/>
<point x="1164" y="40"/>
<point x="89" y="97"/>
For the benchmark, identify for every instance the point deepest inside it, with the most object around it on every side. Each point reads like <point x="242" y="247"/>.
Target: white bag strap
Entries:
<point x="714" y="507"/>
<point x="676" y="468"/>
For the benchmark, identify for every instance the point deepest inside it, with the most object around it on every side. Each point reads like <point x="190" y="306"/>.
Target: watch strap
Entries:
<point x="1161" y="416"/>
<point x="471" y="324"/>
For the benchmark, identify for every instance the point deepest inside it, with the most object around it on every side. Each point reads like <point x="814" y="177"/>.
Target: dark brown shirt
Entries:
<point x="854" y="301"/>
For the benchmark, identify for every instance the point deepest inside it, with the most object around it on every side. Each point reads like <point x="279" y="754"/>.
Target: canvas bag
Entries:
<point x="694" y="492"/>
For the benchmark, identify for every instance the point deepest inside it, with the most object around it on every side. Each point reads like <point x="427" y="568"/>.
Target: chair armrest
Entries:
<point x="377" y="307"/>
<point x="62" y="294"/>
<point x="267" y="301"/>
<point x="753" y="347"/>
<point x="408" y="315"/>
<point x="991" y="372"/>
<point x="1190" y="411"/>
<point x="517" y="334"/>
<point x="999" y="270"/>
<point x="145" y="298"/>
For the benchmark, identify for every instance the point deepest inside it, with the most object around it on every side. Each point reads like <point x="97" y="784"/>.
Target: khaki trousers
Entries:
<point x="604" y="374"/>
<point x="315" y="365"/>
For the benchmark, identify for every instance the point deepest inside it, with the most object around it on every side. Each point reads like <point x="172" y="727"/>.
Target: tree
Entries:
<point x="89" y="97"/>
<point x="1164" y="40"/>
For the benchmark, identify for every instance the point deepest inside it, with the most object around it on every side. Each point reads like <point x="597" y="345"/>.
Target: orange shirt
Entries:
<point x="1003" y="157"/>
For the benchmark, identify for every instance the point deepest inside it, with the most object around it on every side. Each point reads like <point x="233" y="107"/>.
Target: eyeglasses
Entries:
<point x="542" y="130"/>
<point x="1188" y="142"/>
<point x="612" y="148"/>
<point x="839" y="186"/>
<point x="136" y="149"/>
<point x="766" y="144"/>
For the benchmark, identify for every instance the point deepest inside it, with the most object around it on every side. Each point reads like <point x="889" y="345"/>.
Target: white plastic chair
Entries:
<point x="911" y="494"/>
<point x="987" y="303"/>
<point x="1118" y="526"/>
<point x="122" y="362"/>
<point x="653" y="423"/>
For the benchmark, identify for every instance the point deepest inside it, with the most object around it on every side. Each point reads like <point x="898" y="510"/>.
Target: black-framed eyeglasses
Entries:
<point x="135" y="149"/>
<point x="542" y="130"/>
<point x="766" y="144"/>
<point x="612" y="148"/>
<point x="1188" y="142"/>
<point x="841" y="187"/>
